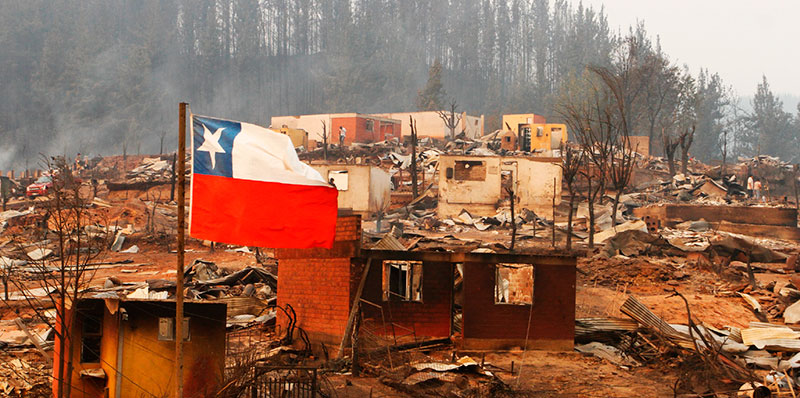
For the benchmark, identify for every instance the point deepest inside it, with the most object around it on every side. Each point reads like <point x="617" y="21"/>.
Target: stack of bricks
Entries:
<point x="317" y="283"/>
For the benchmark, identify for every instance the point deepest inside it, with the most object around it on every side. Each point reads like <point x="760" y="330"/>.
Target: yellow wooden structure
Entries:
<point x="544" y="136"/>
<point x="299" y="137"/>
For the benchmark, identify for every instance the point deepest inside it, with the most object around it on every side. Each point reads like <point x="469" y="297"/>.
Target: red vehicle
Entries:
<point x="39" y="187"/>
<point x="44" y="184"/>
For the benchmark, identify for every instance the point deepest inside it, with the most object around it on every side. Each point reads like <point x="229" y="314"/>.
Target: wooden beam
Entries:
<point x="354" y="308"/>
<point x="34" y="340"/>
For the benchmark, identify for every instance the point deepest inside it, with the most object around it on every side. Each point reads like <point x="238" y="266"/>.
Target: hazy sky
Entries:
<point x="739" y="39"/>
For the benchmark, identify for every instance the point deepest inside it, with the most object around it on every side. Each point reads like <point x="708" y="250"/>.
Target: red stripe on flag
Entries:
<point x="263" y="214"/>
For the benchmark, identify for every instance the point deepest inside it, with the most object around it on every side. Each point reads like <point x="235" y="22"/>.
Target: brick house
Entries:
<point x="360" y="128"/>
<point x="412" y="294"/>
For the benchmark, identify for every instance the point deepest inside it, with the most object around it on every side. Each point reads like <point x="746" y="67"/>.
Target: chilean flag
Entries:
<point x="249" y="188"/>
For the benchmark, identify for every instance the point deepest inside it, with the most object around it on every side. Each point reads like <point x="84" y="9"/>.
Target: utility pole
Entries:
<point x="181" y="240"/>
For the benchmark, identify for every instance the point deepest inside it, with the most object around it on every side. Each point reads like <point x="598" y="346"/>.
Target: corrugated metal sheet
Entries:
<point x="751" y="335"/>
<point x="389" y="242"/>
<point x="792" y="345"/>
<point x="636" y="310"/>
<point x="606" y="324"/>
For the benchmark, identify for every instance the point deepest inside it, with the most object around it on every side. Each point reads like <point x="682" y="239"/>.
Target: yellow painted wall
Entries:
<point x="148" y="363"/>
<point x="544" y="142"/>
<point x="299" y="137"/>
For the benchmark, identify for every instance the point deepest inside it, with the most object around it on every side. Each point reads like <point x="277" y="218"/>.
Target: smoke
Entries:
<point x="7" y="154"/>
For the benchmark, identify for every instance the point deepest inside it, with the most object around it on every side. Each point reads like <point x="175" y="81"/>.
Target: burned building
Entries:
<point x="126" y="348"/>
<point x="507" y="300"/>
<point x="430" y="124"/>
<point x="363" y="189"/>
<point x="480" y="184"/>
<point x="359" y="128"/>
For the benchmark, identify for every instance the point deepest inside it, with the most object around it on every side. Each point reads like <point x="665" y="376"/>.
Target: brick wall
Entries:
<point x="429" y="318"/>
<point x="316" y="283"/>
<point x="552" y="319"/>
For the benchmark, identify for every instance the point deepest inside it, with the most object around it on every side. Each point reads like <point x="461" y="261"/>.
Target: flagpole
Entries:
<point x="181" y="161"/>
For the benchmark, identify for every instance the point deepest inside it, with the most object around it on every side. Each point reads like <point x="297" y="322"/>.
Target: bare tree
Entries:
<point x="64" y="278"/>
<point x="685" y="140"/>
<point x="161" y="145"/>
<point x="513" y="199"/>
<point x="324" y="140"/>
<point x="724" y="150"/>
<point x="587" y="109"/>
<point x="670" y="145"/>
<point x="625" y="87"/>
<point x="451" y="118"/>
<point x="572" y="160"/>
<point x="414" y="189"/>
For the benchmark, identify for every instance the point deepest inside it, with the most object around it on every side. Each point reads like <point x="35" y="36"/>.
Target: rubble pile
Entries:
<point x="151" y="169"/>
<point x="22" y="378"/>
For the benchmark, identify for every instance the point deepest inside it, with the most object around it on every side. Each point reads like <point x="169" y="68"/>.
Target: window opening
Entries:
<point x="339" y="178"/>
<point x="91" y="316"/>
<point x="470" y="170"/>
<point x="166" y="329"/>
<point x="514" y="284"/>
<point x="402" y="280"/>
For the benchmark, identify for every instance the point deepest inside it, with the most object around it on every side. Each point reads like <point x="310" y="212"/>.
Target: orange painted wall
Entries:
<point x="356" y="127"/>
<point x="81" y="386"/>
<point x="147" y="363"/>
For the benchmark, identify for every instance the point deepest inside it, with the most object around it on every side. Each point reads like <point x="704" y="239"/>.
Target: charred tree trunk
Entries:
<point x="514" y="221"/>
<point x="414" y="190"/>
<point x="614" y="208"/>
<point x="569" y="218"/>
<point x="590" y="204"/>
<point x="324" y="141"/>
<point x="685" y="141"/>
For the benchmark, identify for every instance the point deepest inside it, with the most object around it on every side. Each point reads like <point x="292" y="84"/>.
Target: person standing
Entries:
<point x="342" y="134"/>
<point x="750" y="186"/>
<point x="757" y="189"/>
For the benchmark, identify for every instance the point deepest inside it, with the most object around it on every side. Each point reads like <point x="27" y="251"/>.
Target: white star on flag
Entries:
<point x="211" y="144"/>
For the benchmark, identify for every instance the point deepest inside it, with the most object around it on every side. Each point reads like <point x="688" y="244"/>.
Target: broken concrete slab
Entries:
<point x="603" y="236"/>
<point x="39" y="254"/>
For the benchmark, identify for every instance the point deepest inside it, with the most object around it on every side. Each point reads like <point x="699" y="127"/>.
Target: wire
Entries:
<point x="525" y="349"/>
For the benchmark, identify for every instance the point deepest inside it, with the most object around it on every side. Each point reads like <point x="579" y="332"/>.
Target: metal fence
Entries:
<point x="284" y="382"/>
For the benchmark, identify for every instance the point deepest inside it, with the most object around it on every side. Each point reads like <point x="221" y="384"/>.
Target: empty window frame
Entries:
<point x="166" y="329"/>
<point x="470" y="170"/>
<point x="369" y="125"/>
<point x="339" y="178"/>
<point x="539" y="131"/>
<point x="514" y="284"/>
<point x="91" y="316"/>
<point x="402" y="280"/>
